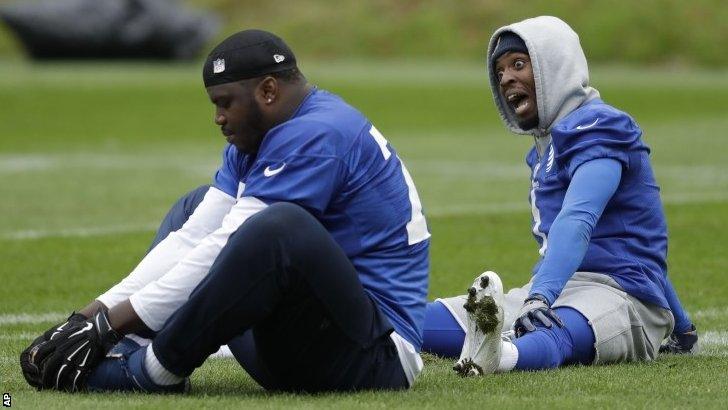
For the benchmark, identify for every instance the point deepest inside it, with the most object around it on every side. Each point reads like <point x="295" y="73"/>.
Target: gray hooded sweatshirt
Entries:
<point x="560" y="72"/>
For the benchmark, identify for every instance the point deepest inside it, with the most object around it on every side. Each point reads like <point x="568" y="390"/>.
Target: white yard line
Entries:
<point x="713" y="343"/>
<point x="80" y="232"/>
<point x="53" y="162"/>
<point x="21" y="163"/>
<point x="35" y="318"/>
<point x="222" y="353"/>
<point x="19" y="336"/>
<point x="31" y="318"/>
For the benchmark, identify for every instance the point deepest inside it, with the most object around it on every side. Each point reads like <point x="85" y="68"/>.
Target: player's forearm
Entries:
<point x="155" y="264"/>
<point x="124" y="319"/>
<point x="206" y="218"/>
<point x="682" y="320"/>
<point x="568" y="243"/>
<point x="158" y="300"/>
<point x="590" y="190"/>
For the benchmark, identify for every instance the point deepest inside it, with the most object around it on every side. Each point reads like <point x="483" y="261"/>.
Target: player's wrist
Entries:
<point x="77" y="317"/>
<point x="108" y="337"/>
<point x="91" y="309"/>
<point x="537" y="297"/>
<point x="124" y="319"/>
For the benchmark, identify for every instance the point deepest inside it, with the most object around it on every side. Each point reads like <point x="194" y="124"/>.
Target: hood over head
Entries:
<point x="560" y="72"/>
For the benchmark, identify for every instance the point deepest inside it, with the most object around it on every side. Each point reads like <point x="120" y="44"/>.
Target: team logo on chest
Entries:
<point x="550" y="160"/>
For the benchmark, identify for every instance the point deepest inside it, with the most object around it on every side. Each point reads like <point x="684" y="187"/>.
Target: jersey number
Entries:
<point x="416" y="227"/>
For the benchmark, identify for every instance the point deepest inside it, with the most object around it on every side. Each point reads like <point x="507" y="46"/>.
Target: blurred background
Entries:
<point x="622" y="31"/>
<point x="94" y="151"/>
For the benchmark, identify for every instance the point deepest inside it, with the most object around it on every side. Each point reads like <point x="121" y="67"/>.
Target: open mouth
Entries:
<point x="518" y="101"/>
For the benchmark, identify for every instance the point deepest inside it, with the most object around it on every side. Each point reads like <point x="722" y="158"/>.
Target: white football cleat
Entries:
<point x="482" y="348"/>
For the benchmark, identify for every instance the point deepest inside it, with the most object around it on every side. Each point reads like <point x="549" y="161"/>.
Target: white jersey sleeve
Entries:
<point x="159" y="299"/>
<point x="206" y="218"/>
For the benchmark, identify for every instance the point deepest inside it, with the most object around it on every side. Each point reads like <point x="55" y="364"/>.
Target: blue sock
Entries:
<point x="550" y="348"/>
<point x="442" y="335"/>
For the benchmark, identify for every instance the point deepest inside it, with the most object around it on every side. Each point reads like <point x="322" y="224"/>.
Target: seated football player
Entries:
<point x="308" y="255"/>
<point x="599" y="291"/>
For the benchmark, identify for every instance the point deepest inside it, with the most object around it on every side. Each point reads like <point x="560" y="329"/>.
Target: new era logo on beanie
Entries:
<point x="508" y="42"/>
<point x="247" y="54"/>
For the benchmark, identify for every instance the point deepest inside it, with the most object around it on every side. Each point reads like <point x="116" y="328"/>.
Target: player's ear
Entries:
<point x="267" y="90"/>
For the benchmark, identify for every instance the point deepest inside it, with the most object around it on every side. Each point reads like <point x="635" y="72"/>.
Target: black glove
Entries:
<point x="535" y="309"/>
<point x="28" y="364"/>
<point x="67" y="359"/>
<point x="681" y="343"/>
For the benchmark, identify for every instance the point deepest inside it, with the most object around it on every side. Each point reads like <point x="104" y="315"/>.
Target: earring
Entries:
<point x="270" y="100"/>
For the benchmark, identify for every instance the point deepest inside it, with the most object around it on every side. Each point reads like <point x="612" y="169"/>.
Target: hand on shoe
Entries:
<point x="65" y="360"/>
<point x="28" y="358"/>
<point x="535" y="310"/>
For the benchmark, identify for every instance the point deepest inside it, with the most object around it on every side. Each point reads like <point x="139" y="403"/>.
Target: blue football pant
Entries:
<point x="288" y="302"/>
<point x="442" y="335"/>
<point x="543" y="348"/>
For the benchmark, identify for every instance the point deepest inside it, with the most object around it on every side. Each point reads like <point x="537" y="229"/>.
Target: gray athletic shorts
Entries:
<point x="625" y="328"/>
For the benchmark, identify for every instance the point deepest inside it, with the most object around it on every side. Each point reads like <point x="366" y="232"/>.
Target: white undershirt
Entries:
<point x="206" y="218"/>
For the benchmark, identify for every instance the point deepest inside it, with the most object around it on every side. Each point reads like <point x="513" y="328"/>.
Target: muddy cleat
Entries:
<point x="482" y="348"/>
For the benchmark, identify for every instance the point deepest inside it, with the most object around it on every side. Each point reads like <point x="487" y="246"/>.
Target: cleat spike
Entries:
<point x="481" y="350"/>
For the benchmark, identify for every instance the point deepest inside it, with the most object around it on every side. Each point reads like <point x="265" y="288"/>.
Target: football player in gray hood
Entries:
<point x="599" y="291"/>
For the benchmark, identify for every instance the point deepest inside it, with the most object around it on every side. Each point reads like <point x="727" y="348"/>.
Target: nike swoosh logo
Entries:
<point x="58" y="375"/>
<point x="583" y="127"/>
<point x="88" y="326"/>
<point x="83" y="363"/>
<point x="76" y="351"/>
<point x="268" y="172"/>
<point x="59" y="329"/>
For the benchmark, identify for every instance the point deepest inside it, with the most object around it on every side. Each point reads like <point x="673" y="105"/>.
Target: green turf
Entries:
<point x="91" y="156"/>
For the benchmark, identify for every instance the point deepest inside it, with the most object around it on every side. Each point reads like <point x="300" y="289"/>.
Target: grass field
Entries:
<point x="91" y="157"/>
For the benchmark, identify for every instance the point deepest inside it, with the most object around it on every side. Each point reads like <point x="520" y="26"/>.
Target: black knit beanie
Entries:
<point x="508" y="42"/>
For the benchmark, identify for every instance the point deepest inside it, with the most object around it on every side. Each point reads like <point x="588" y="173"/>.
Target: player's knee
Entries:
<point x="280" y="220"/>
<point x="287" y="212"/>
<point x="285" y="215"/>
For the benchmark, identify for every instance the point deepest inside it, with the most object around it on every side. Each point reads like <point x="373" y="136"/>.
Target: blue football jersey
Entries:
<point x="629" y="242"/>
<point x="329" y="159"/>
